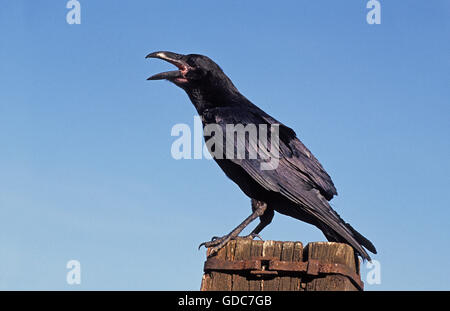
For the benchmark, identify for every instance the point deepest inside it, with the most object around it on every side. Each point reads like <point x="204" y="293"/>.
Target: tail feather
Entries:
<point x="362" y="240"/>
<point x="337" y="230"/>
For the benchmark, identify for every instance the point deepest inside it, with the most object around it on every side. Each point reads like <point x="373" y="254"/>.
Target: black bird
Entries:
<point x="298" y="186"/>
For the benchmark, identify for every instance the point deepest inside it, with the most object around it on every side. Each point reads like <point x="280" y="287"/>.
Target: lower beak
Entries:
<point x="173" y="58"/>
<point x="168" y="75"/>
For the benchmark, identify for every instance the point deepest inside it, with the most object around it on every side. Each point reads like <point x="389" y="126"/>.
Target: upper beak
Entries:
<point x="173" y="58"/>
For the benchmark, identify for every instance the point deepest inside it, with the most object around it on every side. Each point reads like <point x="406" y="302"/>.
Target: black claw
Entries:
<point x="214" y="242"/>
<point x="218" y="242"/>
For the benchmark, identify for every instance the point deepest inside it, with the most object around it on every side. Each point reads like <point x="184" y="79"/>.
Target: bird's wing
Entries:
<point x="301" y="159"/>
<point x="297" y="166"/>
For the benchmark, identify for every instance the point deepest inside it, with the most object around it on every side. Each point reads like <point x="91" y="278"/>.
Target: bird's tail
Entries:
<point x="336" y="229"/>
<point x="316" y="210"/>
<point x="349" y="236"/>
<point x="361" y="239"/>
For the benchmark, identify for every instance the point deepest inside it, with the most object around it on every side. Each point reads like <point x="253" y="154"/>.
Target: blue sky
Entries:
<point x="85" y="166"/>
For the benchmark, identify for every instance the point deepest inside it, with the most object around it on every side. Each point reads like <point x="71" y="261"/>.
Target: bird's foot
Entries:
<point x="218" y="242"/>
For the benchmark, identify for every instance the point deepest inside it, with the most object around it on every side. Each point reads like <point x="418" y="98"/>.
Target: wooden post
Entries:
<point x="251" y="265"/>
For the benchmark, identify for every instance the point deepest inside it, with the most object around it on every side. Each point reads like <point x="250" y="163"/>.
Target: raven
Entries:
<point x="298" y="186"/>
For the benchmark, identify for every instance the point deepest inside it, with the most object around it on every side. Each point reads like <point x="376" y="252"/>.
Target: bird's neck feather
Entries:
<point x="207" y="98"/>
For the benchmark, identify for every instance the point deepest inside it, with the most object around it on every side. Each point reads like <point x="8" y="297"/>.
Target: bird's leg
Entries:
<point x="265" y="218"/>
<point x="218" y="243"/>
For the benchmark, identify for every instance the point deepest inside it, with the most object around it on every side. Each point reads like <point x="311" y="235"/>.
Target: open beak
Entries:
<point x="175" y="59"/>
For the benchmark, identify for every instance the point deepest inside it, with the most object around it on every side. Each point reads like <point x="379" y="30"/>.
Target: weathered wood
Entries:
<point x="271" y="249"/>
<point x="308" y="268"/>
<point x="286" y="255"/>
<point x="329" y="252"/>
<point x="297" y="256"/>
<point x="217" y="280"/>
<point x="240" y="282"/>
<point x="255" y="283"/>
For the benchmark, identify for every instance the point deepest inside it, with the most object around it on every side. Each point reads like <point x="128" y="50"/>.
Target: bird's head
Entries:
<point x="195" y="72"/>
